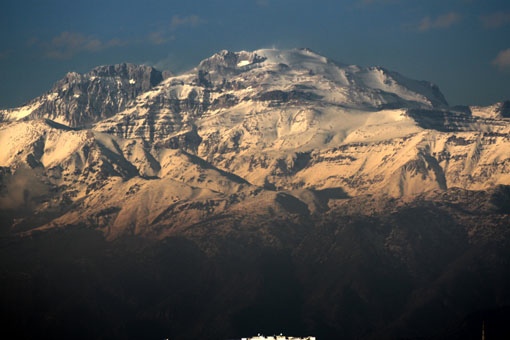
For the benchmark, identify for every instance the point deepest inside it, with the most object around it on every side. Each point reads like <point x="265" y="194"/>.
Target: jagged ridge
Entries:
<point x="80" y="100"/>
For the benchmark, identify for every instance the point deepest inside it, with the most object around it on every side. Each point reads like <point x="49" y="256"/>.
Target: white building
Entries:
<point x="278" y="337"/>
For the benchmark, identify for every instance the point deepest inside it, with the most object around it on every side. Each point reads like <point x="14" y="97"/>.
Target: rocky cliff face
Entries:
<point x="80" y="100"/>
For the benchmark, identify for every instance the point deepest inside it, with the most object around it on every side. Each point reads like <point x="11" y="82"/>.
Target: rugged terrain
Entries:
<point x="260" y="191"/>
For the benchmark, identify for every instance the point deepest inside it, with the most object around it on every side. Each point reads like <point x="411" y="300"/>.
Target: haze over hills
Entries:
<point x="364" y="196"/>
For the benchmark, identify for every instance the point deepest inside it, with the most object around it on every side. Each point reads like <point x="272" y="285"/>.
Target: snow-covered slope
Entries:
<point x="269" y="132"/>
<point x="496" y="111"/>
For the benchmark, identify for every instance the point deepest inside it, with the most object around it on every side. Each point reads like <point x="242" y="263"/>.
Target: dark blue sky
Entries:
<point x="461" y="45"/>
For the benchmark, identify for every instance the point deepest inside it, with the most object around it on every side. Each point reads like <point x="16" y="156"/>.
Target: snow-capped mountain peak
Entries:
<point x="241" y="128"/>
<point x="225" y="61"/>
<point x="361" y="86"/>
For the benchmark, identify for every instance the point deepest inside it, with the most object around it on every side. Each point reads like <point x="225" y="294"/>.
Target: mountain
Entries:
<point x="80" y="100"/>
<point x="353" y="200"/>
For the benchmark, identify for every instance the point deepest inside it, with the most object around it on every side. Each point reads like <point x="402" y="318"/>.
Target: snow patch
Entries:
<point x="491" y="112"/>
<point x="52" y="96"/>
<point x="16" y="139"/>
<point x="243" y="63"/>
<point x="60" y="145"/>
<point x="21" y="112"/>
